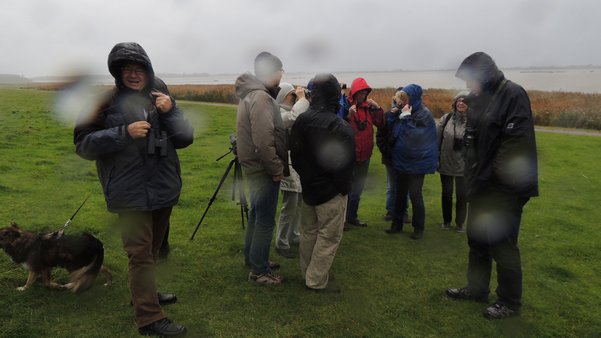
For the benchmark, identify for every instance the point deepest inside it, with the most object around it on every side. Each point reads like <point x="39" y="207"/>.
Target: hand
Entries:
<point x="162" y="102"/>
<point x="394" y="110"/>
<point x="277" y="178"/>
<point x="407" y="109"/>
<point x="373" y="103"/>
<point x="300" y="93"/>
<point x="138" y="129"/>
<point x="352" y="110"/>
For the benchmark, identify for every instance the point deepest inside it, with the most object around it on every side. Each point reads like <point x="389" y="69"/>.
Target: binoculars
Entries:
<point x="157" y="144"/>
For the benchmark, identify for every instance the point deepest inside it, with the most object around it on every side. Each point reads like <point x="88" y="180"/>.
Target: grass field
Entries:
<point x="392" y="286"/>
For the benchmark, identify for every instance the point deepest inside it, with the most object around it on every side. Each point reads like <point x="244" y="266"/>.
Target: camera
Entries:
<point x="457" y="143"/>
<point x="157" y="144"/>
<point x="233" y="145"/>
<point x="361" y="125"/>
<point x="469" y="138"/>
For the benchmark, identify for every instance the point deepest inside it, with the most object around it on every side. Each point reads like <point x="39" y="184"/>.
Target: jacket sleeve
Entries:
<point x="439" y="128"/>
<point x="288" y="117"/>
<point x="178" y="128"/>
<point x="514" y="163"/>
<point x="382" y="138"/>
<point x="343" y="171"/>
<point x="378" y="118"/>
<point x="262" y="128"/>
<point x="93" y="140"/>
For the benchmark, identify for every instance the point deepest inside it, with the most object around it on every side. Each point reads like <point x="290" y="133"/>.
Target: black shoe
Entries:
<point x="465" y="294"/>
<point x="417" y="235"/>
<point x="162" y="327"/>
<point x="460" y="228"/>
<point x="446" y="226"/>
<point x="356" y="222"/>
<point x="286" y="253"/>
<point x="498" y="311"/>
<point x="388" y="217"/>
<point x="394" y="229"/>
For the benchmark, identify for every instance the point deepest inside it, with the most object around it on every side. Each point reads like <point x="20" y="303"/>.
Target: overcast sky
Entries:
<point x="52" y="37"/>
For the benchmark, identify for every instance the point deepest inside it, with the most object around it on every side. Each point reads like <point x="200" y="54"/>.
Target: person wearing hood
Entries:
<point x="362" y="116"/>
<point x="292" y="103"/>
<point x="133" y="138"/>
<point x="451" y="163"/>
<point x="414" y="154"/>
<point x="501" y="174"/>
<point x="263" y="156"/>
<point x="322" y="148"/>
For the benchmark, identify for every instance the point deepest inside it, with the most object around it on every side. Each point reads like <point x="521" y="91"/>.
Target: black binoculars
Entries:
<point x="157" y="144"/>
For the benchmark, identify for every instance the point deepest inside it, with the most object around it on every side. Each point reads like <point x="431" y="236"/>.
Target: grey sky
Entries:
<point x="52" y="37"/>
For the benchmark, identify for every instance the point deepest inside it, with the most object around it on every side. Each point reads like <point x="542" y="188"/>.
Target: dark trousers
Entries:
<point x="412" y="184"/>
<point x="493" y="225"/>
<point x="447" y="199"/>
<point x="142" y="234"/>
<point x="354" y="196"/>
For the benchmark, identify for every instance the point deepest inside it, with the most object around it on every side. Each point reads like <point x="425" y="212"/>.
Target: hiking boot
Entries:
<point x="394" y="229"/>
<point x="163" y="328"/>
<point x="460" y="228"/>
<point x="499" y="311"/>
<point x="417" y="235"/>
<point x="265" y="278"/>
<point x="356" y="222"/>
<point x="466" y="294"/>
<point x="446" y="226"/>
<point x="388" y="216"/>
<point x="286" y="253"/>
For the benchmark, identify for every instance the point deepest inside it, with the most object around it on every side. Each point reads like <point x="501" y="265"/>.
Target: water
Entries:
<point x="587" y="80"/>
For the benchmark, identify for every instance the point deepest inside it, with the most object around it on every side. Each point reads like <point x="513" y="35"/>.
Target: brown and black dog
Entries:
<point x="82" y="255"/>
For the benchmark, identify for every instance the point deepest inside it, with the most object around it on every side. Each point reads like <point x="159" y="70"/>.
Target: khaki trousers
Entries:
<point x="321" y="232"/>
<point x="142" y="233"/>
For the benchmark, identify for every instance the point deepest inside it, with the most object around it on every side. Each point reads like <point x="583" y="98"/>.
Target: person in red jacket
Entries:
<point x="362" y="116"/>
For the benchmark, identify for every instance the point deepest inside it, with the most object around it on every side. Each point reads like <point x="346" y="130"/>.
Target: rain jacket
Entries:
<point x="414" y="149"/>
<point x="364" y="139"/>
<point x="131" y="178"/>
<point x="261" y="135"/>
<point x="322" y="145"/>
<point x="289" y="115"/>
<point x="502" y="158"/>
<point x="452" y="160"/>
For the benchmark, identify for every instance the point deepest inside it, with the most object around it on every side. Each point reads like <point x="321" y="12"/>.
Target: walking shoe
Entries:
<point x="388" y="216"/>
<point x="163" y="328"/>
<point x="286" y="253"/>
<point x="394" y="229"/>
<point x="446" y="226"/>
<point x="274" y="265"/>
<point x="417" y="235"/>
<point x="356" y="222"/>
<point x="465" y="294"/>
<point x="265" y="278"/>
<point x="499" y="311"/>
<point x="460" y="228"/>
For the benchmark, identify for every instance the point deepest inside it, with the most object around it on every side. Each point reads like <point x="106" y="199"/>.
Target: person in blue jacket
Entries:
<point x="414" y="154"/>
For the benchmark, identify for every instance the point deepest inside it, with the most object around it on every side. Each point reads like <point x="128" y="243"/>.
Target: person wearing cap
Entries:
<point x="451" y="163"/>
<point x="414" y="154"/>
<point x="292" y="103"/>
<point x="501" y="174"/>
<point x="363" y="114"/>
<point x="322" y="148"/>
<point x="263" y="155"/>
<point x="133" y="137"/>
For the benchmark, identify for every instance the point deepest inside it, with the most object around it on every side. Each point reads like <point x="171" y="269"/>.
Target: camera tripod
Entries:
<point x="238" y="185"/>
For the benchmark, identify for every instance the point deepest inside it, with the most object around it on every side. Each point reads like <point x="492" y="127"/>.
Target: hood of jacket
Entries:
<point x="247" y="83"/>
<point x="129" y="52"/>
<point x="325" y="93"/>
<point x="285" y="89"/>
<point x="357" y="85"/>
<point x="481" y="68"/>
<point x="415" y="95"/>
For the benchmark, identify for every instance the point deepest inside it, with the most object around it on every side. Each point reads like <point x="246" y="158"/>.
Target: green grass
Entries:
<point x="392" y="286"/>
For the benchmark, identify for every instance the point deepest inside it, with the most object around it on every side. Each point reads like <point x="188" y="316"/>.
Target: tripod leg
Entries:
<point x="243" y="203"/>
<point x="229" y="167"/>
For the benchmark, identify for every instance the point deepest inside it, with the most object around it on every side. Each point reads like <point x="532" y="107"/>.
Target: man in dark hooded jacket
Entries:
<point x="501" y="175"/>
<point x="133" y="137"/>
<point x="322" y="148"/>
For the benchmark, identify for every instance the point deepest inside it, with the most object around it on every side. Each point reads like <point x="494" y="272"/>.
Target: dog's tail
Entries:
<point x="83" y="278"/>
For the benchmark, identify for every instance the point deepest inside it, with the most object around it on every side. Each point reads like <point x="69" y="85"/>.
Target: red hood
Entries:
<point x="357" y="85"/>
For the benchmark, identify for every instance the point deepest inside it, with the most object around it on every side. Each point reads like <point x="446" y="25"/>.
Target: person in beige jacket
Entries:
<point x="263" y="155"/>
<point x="292" y="103"/>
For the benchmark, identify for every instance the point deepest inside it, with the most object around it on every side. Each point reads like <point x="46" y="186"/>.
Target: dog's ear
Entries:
<point x="14" y="225"/>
